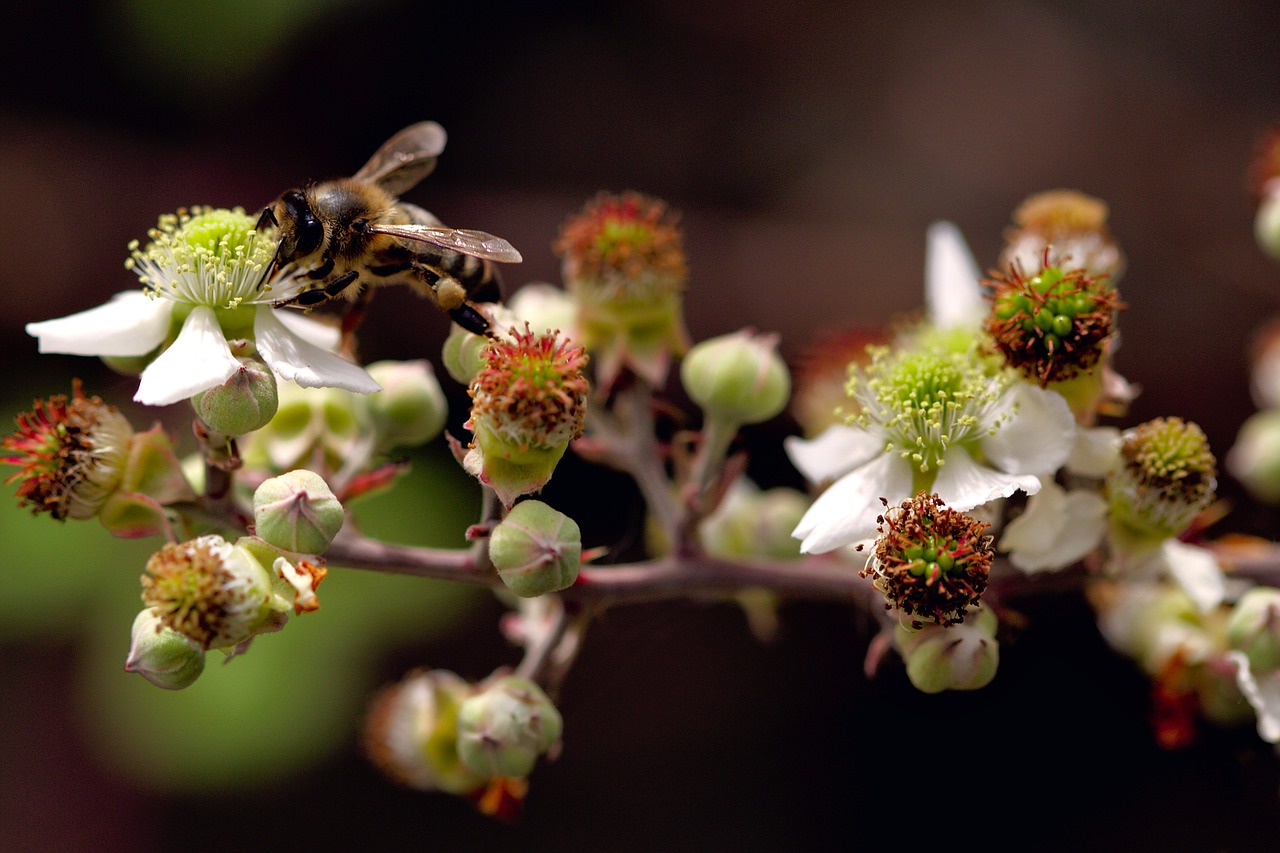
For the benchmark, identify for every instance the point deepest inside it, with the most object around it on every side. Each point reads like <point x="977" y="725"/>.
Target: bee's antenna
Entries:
<point x="268" y="217"/>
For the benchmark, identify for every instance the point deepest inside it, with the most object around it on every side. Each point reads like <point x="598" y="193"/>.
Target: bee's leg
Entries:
<point x="472" y="320"/>
<point x="268" y="217"/>
<point x="320" y="295"/>
<point x="351" y="320"/>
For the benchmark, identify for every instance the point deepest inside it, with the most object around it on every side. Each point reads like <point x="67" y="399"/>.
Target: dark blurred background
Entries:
<point x="808" y="145"/>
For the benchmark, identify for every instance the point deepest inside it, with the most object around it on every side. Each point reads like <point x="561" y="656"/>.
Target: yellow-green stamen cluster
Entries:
<point x="532" y="390"/>
<point x="1053" y="325"/>
<point x="924" y="401"/>
<point x="204" y="256"/>
<point x="1166" y="476"/>
<point x="71" y="452"/>
<point x="625" y="245"/>
<point x="930" y="561"/>
<point x="203" y="590"/>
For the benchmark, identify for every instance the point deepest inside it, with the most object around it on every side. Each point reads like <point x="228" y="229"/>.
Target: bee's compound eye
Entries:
<point x="310" y="234"/>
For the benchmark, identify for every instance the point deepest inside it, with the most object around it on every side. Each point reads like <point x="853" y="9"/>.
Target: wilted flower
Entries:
<point x="527" y="404"/>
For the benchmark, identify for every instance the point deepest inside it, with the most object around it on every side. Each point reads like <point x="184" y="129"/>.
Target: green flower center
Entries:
<point x="924" y="401"/>
<point x="207" y="257"/>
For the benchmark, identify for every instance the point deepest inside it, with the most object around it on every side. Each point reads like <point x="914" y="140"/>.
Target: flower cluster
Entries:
<point x="951" y="459"/>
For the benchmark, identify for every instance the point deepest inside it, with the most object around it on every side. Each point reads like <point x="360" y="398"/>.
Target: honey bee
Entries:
<point x="345" y="236"/>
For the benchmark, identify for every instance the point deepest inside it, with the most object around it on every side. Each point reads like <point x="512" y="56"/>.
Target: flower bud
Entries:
<point x="216" y="593"/>
<point x="245" y="402"/>
<point x="528" y="403"/>
<point x="1266" y="222"/>
<point x="536" y="549"/>
<point x="463" y="352"/>
<point x="737" y="378"/>
<point x="503" y="730"/>
<point x="961" y="657"/>
<point x="410" y="410"/>
<point x="297" y="512"/>
<point x="754" y="523"/>
<point x="1254" y="459"/>
<point x="411" y="733"/>
<point x="72" y="452"/>
<point x="546" y="307"/>
<point x="1254" y="628"/>
<point x="161" y="655"/>
<point x="1166" y="476"/>
<point x="930" y="561"/>
<point x="624" y="263"/>
<point x="325" y="429"/>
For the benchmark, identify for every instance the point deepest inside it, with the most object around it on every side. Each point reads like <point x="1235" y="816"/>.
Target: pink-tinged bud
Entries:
<point x="297" y="512"/>
<point x="536" y="549"/>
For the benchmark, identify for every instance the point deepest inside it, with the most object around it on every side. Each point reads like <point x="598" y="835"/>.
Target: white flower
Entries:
<point x="1196" y="570"/>
<point x="1057" y="529"/>
<point x="1262" y="690"/>
<point x="953" y="293"/>
<point x="934" y="421"/>
<point x="201" y="274"/>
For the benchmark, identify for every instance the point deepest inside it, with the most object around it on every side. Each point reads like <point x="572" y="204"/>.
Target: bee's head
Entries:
<point x="299" y="231"/>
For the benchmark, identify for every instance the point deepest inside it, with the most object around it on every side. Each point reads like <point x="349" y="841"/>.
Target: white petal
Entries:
<point x="132" y="323"/>
<point x="1096" y="452"/>
<point x="291" y="357"/>
<point x="1058" y="528"/>
<point x="1262" y="693"/>
<point x="323" y="335"/>
<point x="1038" y="438"/>
<point x="198" y="360"/>
<point x="963" y="484"/>
<point x="846" y="512"/>
<point x="836" y="451"/>
<point x="952" y="288"/>
<point x="1197" y="571"/>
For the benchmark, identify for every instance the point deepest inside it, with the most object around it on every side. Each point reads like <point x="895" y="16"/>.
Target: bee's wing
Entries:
<point x="405" y="158"/>
<point x="478" y="244"/>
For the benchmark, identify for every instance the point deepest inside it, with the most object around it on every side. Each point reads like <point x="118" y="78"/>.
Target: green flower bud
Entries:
<point x="737" y="378"/>
<point x="245" y="402"/>
<point x="328" y="429"/>
<point x="754" y="523"/>
<point x="410" y="410"/>
<point x="502" y="731"/>
<point x="297" y="512"/>
<point x="463" y="354"/>
<point x="411" y="733"/>
<point x="1254" y="628"/>
<point x="161" y="655"/>
<point x="1254" y="459"/>
<point x="536" y="549"/>
<point x="959" y="657"/>
<point x="1266" y="223"/>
